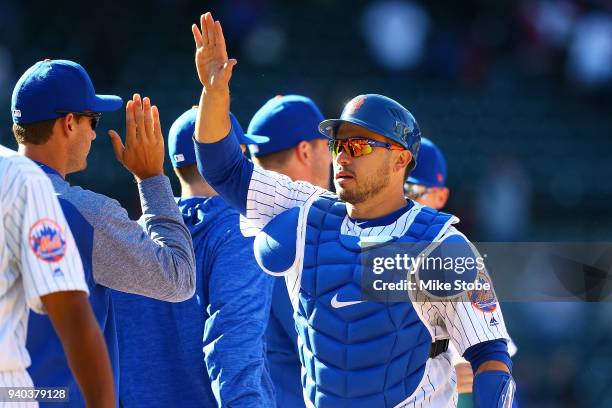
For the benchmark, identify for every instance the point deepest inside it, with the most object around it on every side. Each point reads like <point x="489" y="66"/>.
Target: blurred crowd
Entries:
<point x="516" y="93"/>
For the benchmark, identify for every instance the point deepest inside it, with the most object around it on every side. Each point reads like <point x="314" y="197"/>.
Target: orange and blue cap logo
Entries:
<point x="355" y="105"/>
<point x="47" y="241"/>
<point x="483" y="300"/>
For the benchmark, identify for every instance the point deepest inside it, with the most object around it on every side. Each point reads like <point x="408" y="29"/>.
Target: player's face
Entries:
<point x="82" y="136"/>
<point x="357" y="179"/>
<point x="435" y="198"/>
<point x="321" y="163"/>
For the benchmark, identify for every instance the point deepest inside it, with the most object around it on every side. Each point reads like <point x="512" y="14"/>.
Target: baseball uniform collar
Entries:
<point x="47" y="169"/>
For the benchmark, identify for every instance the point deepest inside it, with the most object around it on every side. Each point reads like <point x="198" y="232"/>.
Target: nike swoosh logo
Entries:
<point x="337" y="304"/>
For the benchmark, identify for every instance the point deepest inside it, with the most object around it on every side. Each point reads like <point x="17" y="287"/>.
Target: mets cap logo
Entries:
<point x="47" y="240"/>
<point x="483" y="300"/>
<point x="355" y="105"/>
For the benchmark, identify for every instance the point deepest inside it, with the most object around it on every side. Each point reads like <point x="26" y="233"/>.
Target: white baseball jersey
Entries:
<point x="38" y="256"/>
<point x="464" y="323"/>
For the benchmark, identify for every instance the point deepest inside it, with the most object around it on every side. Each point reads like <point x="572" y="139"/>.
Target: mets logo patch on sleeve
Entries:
<point x="483" y="300"/>
<point x="47" y="240"/>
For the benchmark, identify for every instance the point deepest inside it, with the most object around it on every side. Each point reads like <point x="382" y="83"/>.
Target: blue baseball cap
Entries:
<point x="53" y="86"/>
<point x="430" y="170"/>
<point x="180" y="138"/>
<point x="286" y="120"/>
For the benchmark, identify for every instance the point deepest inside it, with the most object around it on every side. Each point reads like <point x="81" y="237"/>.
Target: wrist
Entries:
<point x="142" y="177"/>
<point x="215" y="94"/>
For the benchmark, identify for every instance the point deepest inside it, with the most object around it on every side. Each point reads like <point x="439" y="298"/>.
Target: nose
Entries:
<point x="342" y="157"/>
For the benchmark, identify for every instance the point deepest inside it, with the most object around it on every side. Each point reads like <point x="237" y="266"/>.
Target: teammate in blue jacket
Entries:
<point x="55" y="114"/>
<point x="209" y="350"/>
<point x="298" y="150"/>
<point x="354" y="352"/>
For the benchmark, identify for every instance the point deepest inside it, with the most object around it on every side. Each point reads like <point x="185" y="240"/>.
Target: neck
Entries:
<point x="202" y="189"/>
<point x="377" y="206"/>
<point x="42" y="154"/>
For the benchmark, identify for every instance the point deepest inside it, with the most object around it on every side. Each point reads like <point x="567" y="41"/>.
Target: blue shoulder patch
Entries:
<point x="275" y="246"/>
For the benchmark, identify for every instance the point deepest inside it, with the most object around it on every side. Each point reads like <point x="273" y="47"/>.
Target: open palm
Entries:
<point x="213" y="66"/>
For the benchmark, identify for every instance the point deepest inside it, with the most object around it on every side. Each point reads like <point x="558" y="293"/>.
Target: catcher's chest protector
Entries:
<point x="360" y="354"/>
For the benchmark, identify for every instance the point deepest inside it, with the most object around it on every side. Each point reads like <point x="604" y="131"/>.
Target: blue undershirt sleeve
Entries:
<point x="488" y="350"/>
<point x="226" y="169"/>
<point x="234" y="334"/>
<point x="492" y="388"/>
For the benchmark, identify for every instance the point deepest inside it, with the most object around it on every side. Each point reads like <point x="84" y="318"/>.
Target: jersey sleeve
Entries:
<point x="153" y="258"/>
<point x="471" y="317"/>
<point x="271" y="193"/>
<point x="49" y="256"/>
<point x="234" y="334"/>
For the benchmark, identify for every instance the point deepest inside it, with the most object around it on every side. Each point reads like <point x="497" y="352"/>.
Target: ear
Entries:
<point x="403" y="160"/>
<point x="68" y="123"/>
<point x="303" y="152"/>
<point x="442" y="196"/>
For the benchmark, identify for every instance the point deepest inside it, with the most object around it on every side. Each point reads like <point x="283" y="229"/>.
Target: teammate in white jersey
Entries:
<point x="40" y="269"/>
<point x="354" y="352"/>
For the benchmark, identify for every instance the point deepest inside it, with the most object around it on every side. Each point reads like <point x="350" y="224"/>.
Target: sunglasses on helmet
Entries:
<point x="93" y="116"/>
<point x="415" y="191"/>
<point x="358" y="146"/>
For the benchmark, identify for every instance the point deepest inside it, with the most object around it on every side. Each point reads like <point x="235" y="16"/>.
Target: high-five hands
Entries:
<point x="143" y="153"/>
<point x="214" y="71"/>
<point x="213" y="66"/>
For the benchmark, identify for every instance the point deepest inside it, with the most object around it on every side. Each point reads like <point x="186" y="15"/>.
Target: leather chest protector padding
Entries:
<point x="366" y="354"/>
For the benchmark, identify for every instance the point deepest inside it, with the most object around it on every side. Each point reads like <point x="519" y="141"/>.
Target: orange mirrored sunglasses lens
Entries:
<point x="355" y="148"/>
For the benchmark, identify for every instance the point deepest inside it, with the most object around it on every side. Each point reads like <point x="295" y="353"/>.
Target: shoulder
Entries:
<point x="77" y="222"/>
<point x="275" y="246"/>
<point x="451" y="265"/>
<point x="21" y="178"/>
<point x="213" y="221"/>
<point x="14" y="166"/>
<point x="92" y="206"/>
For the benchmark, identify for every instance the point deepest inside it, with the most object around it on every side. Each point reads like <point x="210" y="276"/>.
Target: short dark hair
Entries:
<point x="276" y="159"/>
<point x="189" y="174"/>
<point x="36" y="133"/>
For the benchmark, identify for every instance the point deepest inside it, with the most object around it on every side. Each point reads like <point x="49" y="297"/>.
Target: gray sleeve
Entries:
<point x="153" y="258"/>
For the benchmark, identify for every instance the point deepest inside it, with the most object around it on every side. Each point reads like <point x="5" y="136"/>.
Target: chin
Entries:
<point x="349" y="196"/>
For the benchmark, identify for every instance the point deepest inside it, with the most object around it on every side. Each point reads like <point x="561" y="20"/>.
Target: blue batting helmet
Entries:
<point x="381" y="115"/>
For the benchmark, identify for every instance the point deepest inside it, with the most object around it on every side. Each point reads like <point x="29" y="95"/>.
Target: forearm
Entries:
<point x="212" y="120"/>
<point x="493" y="383"/>
<point x="156" y="262"/>
<point x="164" y="224"/>
<point x="494" y="388"/>
<point x="234" y="333"/>
<point x="83" y="345"/>
<point x="88" y="359"/>
<point x="236" y="365"/>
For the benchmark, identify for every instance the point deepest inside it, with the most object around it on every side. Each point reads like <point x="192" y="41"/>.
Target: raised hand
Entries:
<point x="143" y="153"/>
<point x="213" y="66"/>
